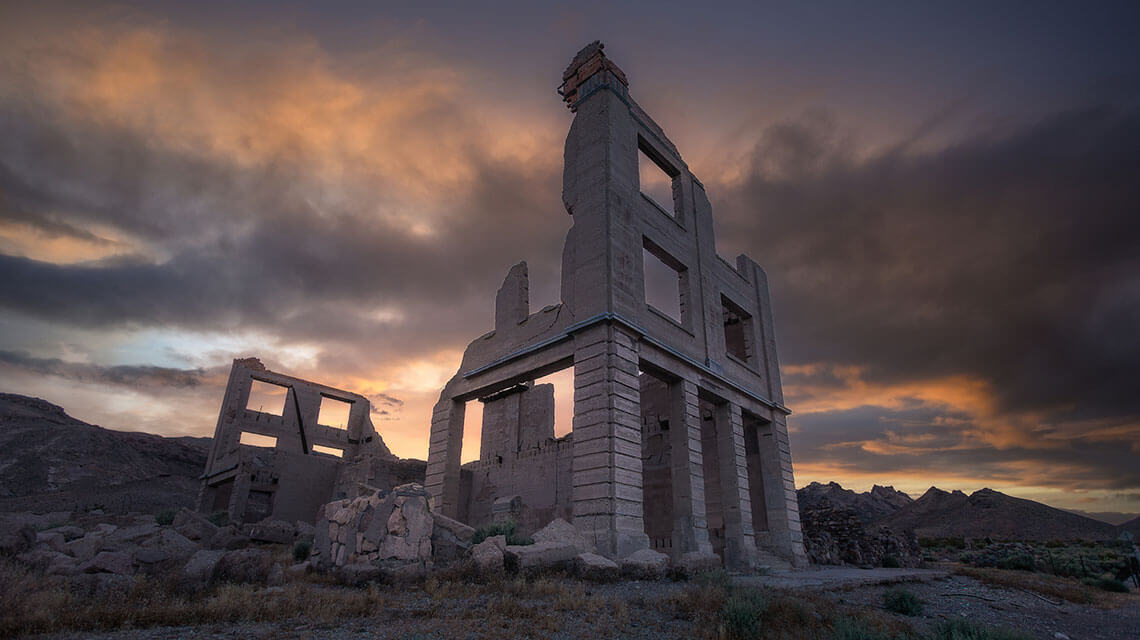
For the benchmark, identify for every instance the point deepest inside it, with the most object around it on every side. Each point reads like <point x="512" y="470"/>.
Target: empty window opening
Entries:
<point x="334" y="413"/>
<point x="266" y="397"/>
<point x="472" y="431"/>
<point x="664" y="284"/>
<point x="332" y="451"/>
<point x="257" y="440"/>
<point x="563" y="382"/>
<point x="737" y="330"/>
<point x="655" y="180"/>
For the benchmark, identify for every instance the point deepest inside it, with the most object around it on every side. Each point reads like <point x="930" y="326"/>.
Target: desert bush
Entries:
<point x="890" y="562"/>
<point x="853" y="629"/>
<point x="952" y="542"/>
<point x="505" y="528"/>
<point x="899" y="600"/>
<point x="1108" y="584"/>
<point x="165" y="517"/>
<point x="742" y="615"/>
<point x="301" y="550"/>
<point x="962" y="629"/>
<point x="714" y="578"/>
<point x="219" y="518"/>
<point x="1019" y="561"/>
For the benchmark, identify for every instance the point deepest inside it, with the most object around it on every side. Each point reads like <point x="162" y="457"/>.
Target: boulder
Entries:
<point x="84" y="549"/>
<point x="118" y="562"/>
<point x="591" y="566"/>
<point x="42" y="557"/>
<point x="359" y="573"/>
<point x="172" y="543"/>
<point x="124" y="538"/>
<point x="645" y="564"/>
<point x="229" y="538"/>
<point x="193" y="525"/>
<point x="696" y="562"/>
<point x="53" y="540"/>
<point x="272" y="531"/>
<point x="450" y="539"/>
<point x="562" y="532"/>
<point x="539" y="556"/>
<point x="305" y="531"/>
<point x="299" y="570"/>
<point x="199" y="569"/>
<point x="150" y="556"/>
<point x="487" y="556"/>
<point x="69" y="532"/>
<point x="245" y="566"/>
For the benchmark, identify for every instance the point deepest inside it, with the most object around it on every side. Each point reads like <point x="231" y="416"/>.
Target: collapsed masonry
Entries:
<point x="679" y="440"/>
<point x="313" y="444"/>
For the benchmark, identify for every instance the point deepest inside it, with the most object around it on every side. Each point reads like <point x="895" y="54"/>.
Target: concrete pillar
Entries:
<point x="784" y="532"/>
<point x="607" y="481"/>
<point x="739" y="542"/>
<point x="690" y="523"/>
<point x="444" y="448"/>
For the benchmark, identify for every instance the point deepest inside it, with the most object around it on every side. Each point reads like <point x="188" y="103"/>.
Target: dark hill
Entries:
<point x="870" y="506"/>
<point x="49" y="461"/>
<point x="989" y="513"/>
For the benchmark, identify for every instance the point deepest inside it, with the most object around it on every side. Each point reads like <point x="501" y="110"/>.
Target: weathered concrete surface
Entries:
<point x="834" y="577"/>
<point x="680" y="438"/>
<point x="298" y="469"/>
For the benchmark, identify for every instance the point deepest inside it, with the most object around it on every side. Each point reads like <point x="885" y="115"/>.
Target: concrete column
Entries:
<point x="739" y="542"/>
<point x="785" y="534"/>
<point x="690" y="523"/>
<point x="607" y="481"/>
<point x="444" y="448"/>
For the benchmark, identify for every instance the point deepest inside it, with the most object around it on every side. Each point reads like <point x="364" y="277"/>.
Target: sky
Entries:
<point x="944" y="196"/>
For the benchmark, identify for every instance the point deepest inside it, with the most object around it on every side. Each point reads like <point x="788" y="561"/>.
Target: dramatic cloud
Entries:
<point x="957" y="293"/>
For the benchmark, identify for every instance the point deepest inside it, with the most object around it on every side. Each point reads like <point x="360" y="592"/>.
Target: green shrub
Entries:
<point x="505" y="528"/>
<point x="165" y="517"/>
<point x="1019" y="561"/>
<point x="1108" y="584"/>
<point x="891" y="562"/>
<point x="742" y="615"/>
<point x="899" y="600"/>
<point x="219" y="518"/>
<point x="301" y="550"/>
<point x="962" y="629"/>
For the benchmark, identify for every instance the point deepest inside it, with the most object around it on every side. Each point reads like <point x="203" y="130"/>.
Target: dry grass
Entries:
<point x="1056" y="587"/>
<point x="34" y="604"/>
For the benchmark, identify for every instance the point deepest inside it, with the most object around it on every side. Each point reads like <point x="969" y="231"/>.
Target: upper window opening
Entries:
<point x="656" y="181"/>
<point x="266" y="397"/>
<point x="257" y="440"/>
<point x="737" y="330"/>
<point x="665" y="288"/>
<point x="332" y="451"/>
<point x="334" y="413"/>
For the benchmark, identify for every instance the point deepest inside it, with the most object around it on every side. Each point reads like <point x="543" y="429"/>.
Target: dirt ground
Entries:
<point x="564" y="608"/>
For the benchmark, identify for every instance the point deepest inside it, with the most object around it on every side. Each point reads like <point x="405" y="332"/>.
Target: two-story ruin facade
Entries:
<point x="680" y="438"/>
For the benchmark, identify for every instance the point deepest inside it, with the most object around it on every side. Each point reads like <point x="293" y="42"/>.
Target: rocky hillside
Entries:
<point x="50" y="461"/>
<point x="869" y="507"/>
<point x="989" y="513"/>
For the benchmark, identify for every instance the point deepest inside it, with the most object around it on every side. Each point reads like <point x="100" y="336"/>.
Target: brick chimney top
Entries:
<point x="590" y="61"/>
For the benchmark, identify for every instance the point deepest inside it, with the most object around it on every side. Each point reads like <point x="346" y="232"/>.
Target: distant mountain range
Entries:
<point x="49" y="461"/>
<point x="984" y="513"/>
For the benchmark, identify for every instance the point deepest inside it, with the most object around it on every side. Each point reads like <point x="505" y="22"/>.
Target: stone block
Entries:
<point x="645" y="564"/>
<point x="540" y="556"/>
<point x="591" y="566"/>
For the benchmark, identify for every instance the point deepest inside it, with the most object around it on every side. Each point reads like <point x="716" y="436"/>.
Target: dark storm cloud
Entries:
<point x="253" y="246"/>
<point x="117" y="375"/>
<point x="1011" y="257"/>
<point x="883" y="442"/>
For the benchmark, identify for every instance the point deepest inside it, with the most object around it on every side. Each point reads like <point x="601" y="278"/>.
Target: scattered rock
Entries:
<point x="386" y="530"/>
<point x="245" y="566"/>
<point x="118" y="562"/>
<point x="69" y="532"/>
<point x="645" y="564"/>
<point x="272" y="531"/>
<point x="228" y="537"/>
<point x="193" y="525"/>
<point x="199" y="570"/>
<point x="359" y="573"/>
<point x="695" y="562"/>
<point x="299" y="570"/>
<point x="539" y="556"/>
<point x="172" y="543"/>
<point x="53" y="540"/>
<point x="488" y="555"/>
<point x="591" y="566"/>
<point x="560" y="531"/>
<point x="836" y="535"/>
<point x="17" y="540"/>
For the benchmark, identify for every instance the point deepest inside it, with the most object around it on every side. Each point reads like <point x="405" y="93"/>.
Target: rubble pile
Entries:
<point x="836" y="535"/>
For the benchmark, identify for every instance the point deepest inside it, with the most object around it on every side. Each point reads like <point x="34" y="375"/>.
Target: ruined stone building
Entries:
<point x="314" y="444"/>
<point x="680" y="439"/>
